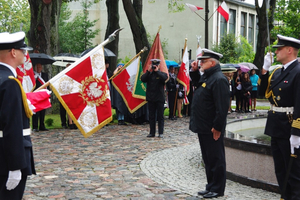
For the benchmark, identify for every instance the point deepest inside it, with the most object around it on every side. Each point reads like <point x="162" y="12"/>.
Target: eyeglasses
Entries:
<point x="23" y="50"/>
<point x="204" y="61"/>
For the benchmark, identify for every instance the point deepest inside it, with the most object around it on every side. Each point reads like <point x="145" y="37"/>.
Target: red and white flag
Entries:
<point x="223" y="10"/>
<point x="39" y="99"/>
<point x="198" y="52"/>
<point x="193" y="7"/>
<point x="26" y="75"/>
<point x="125" y="82"/>
<point x="82" y="88"/>
<point x="183" y="75"/>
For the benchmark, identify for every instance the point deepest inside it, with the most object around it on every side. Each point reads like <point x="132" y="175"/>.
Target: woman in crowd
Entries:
<point x="254" y="79"/>
<point x="246" y="90"/>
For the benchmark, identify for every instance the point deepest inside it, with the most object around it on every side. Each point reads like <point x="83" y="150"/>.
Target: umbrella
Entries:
<point x="249" y="65"/>
<point x="107" y="52"/>
<point x="244" y="68"/>
<point x="41" y="58"/>
<point x="62" y="59"/>
<point x="171" y="63"/>
<point x="227" y="68"/>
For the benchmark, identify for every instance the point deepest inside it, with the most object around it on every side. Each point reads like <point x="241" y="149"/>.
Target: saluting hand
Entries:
<point x="216" y="134"/>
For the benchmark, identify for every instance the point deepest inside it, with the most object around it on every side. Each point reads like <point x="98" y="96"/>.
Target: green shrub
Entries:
<point x="49" y="122"/>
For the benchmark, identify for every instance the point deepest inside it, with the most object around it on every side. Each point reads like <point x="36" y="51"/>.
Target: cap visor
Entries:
<point x="203" y="57"/>
<point x="278" y="45"/>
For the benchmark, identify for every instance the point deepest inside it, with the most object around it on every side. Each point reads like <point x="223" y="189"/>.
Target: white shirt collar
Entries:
<point x="288" y="64"/>
<point x="13" y="70"/>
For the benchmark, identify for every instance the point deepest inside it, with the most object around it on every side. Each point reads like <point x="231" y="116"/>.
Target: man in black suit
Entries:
<point x="208" y="119"/>
<point x="41" y="78"/>
<point x="16" y="156"/>
<point x="283" y="122"/>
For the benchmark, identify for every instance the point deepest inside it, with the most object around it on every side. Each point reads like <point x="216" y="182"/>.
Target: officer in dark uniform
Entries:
<point x="208" y="119"/>
<point x="155" y="95"/>
<point x="171" y="89"/>
<point x="16" y="157"/>
<point x="283" y="122"/>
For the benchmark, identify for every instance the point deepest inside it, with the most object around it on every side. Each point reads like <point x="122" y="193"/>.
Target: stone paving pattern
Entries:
<point x="120" y="162"/>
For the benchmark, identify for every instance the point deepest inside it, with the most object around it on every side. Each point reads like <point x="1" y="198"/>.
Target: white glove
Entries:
<point x="180" y="94"/>
<point x="177" y="86"/>
<point x="13" y="180"/>
<point x="268" y="61"/>
<point x="295" y="142"/>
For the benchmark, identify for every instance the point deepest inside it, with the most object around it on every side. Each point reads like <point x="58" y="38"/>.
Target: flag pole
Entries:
<point x="126" y="65"/>
<point x="267" y="17"/>
<point x="110" y="38"/>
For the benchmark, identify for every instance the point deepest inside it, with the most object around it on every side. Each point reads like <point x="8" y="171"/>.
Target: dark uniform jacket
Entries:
<point x="44" y="77"/>
<point x="285" y="87"/>
<point x="210" y="101"/>
<point x="155" y="85"/>
<point x="15" y="149"/>
<point x="171" y="83"/>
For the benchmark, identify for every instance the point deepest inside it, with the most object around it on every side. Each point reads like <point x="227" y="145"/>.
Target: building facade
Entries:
<point x="176" y="26"/>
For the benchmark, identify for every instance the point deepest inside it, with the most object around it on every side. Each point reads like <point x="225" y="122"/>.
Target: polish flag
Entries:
<point x="82" y="88"/>
<point x="39" y="99"/>
<point x="125" y="82"/>
<point x="193" y="7"/>
<point x="183" y="76"/>
<point x="198" y="52"/>
<point x="26" y="75"/>
<point x="223" y="10"/>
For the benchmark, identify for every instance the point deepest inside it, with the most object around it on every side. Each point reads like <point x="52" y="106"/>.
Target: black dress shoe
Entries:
<point x="160" y="136"/>
<point x="150" y="135"/>
<point x="212" y="195"/>
<point x="203" y="192"/>
<point x="35" y="130"/>
<point x="44" y="129"/>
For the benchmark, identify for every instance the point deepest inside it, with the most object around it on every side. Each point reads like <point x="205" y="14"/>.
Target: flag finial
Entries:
<point x="159" y="28"/>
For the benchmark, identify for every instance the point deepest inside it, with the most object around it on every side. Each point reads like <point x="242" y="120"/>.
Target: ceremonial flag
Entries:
<point x="139" y="90"/>
<point x="198" y="52"/>
<point x="183" y="76"/>
<point x="26" y="75"/>
<point x="125" y="82"/>
<point x="193" y="7"/>
<point x="223" y="10"/>
<point x="82" y="88"/>
<point x="156" y="52"/>
<point x="39" y="99"/>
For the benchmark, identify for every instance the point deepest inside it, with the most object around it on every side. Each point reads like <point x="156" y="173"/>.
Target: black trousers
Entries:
<point x="35" y="120"/>
<point x="213" y="154"/>
<point x="63" y="115"/>
<point x="15" y="194"/>
<point x="171" y="101"/>
<point x="156" y="109"/>
<point x="281" y="152"/>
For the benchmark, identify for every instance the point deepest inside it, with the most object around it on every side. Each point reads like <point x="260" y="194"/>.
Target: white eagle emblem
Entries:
<point x="130" y="83"/>
<point x="94" y="91"/>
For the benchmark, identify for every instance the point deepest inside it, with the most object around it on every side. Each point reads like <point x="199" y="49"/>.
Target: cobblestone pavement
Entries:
<point x="120" y="162"/>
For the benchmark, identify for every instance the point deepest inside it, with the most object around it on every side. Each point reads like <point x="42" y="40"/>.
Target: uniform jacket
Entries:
<point x="15" y="149"/>
<point x="171" y="83"/>
<point x="155" y="85"/>
<point x="45" y="78"/>
<point x="210" y="102"/>
<point x="285" y="86"/>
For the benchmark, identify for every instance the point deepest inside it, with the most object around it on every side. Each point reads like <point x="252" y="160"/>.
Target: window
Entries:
<point x="251" y="29"/>
<point x="244" y="24"/>
<point x="232" y="21"/>
<point x="223" y="27"/>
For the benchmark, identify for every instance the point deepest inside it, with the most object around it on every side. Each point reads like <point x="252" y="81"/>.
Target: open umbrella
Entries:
<point x="249" y="65"/>
<point x="42" y="58"/>
<point x="171" y="63"/>
<point x="228" y="68"/>
<point x="107" y="52"/>
<point x="244" y="68"/>
<point x="62" y="59"/>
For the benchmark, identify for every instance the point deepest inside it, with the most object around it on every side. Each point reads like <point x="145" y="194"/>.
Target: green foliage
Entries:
<point x="287" y="17"/>
<point x="234" y="51"/>
<point x="125" y="60"/>
<point x="13" y="14"/>
<point x="164" y="43"/>
<point x="173" y="5"/>
<point x="75" y="36"/>
<point x="49" y="122"/>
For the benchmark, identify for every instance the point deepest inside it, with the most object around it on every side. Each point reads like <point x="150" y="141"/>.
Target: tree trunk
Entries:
<point x="112" y="25"/>
<point x="134" y="15"/>
<point x="262" y="38"/>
